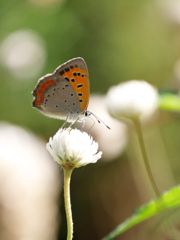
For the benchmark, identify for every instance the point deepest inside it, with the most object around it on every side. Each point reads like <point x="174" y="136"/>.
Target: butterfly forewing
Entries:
<point x="76" y="73"/>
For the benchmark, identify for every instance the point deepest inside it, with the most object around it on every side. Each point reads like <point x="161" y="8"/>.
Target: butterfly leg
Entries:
<point x="73" y="123"/>
<point x="66" y="122"/>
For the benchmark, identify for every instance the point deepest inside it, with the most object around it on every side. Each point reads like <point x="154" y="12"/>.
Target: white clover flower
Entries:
<point x="133" y="99"/>
<point x="24" y="165"/>
<point x="170" y="9"/>
<point x="72" y="148"/>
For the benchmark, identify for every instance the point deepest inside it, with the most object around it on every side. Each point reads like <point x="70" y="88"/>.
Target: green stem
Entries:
<point x="145" y="157"/>
<point x="67" y="201"/>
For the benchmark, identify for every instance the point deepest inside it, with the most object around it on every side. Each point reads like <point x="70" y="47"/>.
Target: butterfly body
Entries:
<point x="64" y="94"/>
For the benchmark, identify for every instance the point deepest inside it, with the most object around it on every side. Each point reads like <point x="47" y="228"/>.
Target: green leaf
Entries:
<point x="170" y="102"/>
<point x="170" y="199"/>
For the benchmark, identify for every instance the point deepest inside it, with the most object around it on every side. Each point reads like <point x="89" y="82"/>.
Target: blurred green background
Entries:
<point x="120" y="40"/>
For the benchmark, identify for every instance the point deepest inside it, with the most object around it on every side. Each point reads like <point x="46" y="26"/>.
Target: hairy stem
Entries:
<point x="67" y="201"/>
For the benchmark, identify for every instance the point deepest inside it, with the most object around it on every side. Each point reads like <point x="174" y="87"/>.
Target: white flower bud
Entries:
<point x="133" y="99"/>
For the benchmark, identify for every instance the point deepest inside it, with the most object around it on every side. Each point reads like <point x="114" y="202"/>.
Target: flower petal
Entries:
<point x="73" y="147"/>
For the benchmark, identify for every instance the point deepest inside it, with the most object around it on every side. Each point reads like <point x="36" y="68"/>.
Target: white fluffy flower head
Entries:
<point x="72" y="148"/>
<point x="132" y="99"/>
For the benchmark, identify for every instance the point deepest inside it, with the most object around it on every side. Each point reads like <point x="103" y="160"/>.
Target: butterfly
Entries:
<point x="64" y="94"/>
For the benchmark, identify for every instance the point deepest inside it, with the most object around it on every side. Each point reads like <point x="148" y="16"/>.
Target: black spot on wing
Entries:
<point x="79" y="85"/>
<point x="62" y="72"/>
<point x="67" y="69"/>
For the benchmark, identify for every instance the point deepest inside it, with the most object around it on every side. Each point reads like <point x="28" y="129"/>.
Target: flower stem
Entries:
<point x="67" y="201"/>
<point x="145" y="157"/>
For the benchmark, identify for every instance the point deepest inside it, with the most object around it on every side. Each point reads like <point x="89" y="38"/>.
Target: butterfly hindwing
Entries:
<point x="55" y="97"/>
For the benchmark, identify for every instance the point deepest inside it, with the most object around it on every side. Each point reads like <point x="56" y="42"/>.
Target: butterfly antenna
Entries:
<point x="88" y="113"/>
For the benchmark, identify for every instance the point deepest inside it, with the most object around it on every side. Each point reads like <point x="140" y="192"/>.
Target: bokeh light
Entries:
<point x="23" y="54"/>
